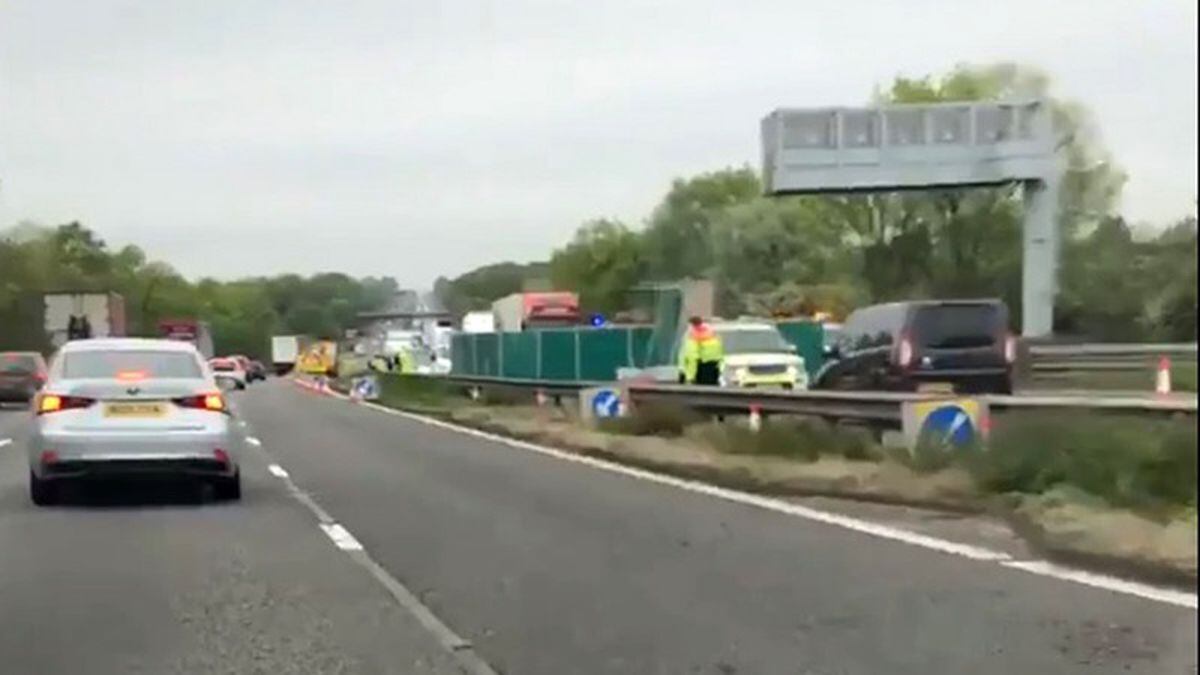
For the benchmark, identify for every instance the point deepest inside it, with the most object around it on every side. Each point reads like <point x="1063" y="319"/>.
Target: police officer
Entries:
<point x="702" y="356"/>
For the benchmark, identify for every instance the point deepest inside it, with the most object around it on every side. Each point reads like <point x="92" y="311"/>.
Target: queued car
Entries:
<point x="906" y="346"/>
<point x="257" y="371"/>
<point x="21" y="376"/>
<point x="130" y="407"/>
<point x="228" y="370"/>
<point x="757" y="355"/>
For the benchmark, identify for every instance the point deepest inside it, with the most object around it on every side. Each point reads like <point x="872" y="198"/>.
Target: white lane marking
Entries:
<point x="1145" y="591"/>
<point x="1048" y="569"/>
<point x="4" y="442"/>
<point x="460" y="649"/>
<point x="341" y="536"/>
<point x="253" y="441"/>
<point x="768" y="503"/>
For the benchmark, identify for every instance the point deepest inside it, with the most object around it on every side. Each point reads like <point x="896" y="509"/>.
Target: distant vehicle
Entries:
<point x="21" y="376"/>
<point x="905" y="346"/>
<point x="479" y="322"/>
<point x="75" y="316"/>
<point x="757" y="355"/>
<point x="188" y="330"/>
<point x="257" y="371"/>
<point x="229" y="369"/>
<point x="130" y="407"/>
<point x="285" y="350"/>
<point x="247" y="367"/>
<point x="522" y="311"/>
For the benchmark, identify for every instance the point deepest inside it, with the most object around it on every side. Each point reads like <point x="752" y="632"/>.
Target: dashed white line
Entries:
<point x="459" y="648"/>
<point x="5" y="442"/>
<point x="1042" y="568"/>
<point x="341" y="537"/>
<point x="254" y="441"/>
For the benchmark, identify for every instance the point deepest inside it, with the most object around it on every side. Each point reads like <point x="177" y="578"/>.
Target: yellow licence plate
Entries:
<point x="935" y="388"/>
<point x="151" y="409"/>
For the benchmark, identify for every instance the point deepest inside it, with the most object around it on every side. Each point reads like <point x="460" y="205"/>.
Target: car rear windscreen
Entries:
<point x="17" y="364"/>
<point x="959" y="326"/>
<point x="130" y="364"/>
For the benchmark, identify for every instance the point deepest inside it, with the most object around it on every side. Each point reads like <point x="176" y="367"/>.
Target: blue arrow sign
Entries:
<point x="606" y="403"/>
<point x="949" y="427"/>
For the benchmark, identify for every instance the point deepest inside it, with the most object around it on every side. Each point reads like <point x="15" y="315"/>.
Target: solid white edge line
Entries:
<point x="341" y="537"/>
<point x="277" y="471"/>
<point x="1042" y="568"/>
<point x="1049" y="569"/>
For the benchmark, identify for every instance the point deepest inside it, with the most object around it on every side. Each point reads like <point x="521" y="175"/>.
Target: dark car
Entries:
<point x="257" y="371"/>
<point x="904" y="345"/>
<point x="22" y="374"/>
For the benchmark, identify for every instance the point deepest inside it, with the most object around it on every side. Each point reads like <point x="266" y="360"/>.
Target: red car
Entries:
<point x="22" y="374"/>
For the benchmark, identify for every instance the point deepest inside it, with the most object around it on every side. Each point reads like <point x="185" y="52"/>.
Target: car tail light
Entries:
<point x="49" y="457"/>
<point x="51" y="403"/>
<point x="212" y="401"/>
<point x="904" y="352"/>
<point x="221" y="456"/>
<point x="1010" y="348"/>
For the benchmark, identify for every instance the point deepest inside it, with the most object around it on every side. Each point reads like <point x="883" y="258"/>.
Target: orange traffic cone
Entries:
<point x="755" y="418"/>
<point x="1162" y="379"/>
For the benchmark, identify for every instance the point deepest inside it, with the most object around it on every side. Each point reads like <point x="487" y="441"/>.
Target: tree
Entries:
<point x="601" y="263"/>
<point x="766" y="244"/>
<point x="678" y="239"/>
<point x="479" y="288"/>
<point x="242" y="314"/>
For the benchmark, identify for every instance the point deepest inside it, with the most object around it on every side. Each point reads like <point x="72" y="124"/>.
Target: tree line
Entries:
<point x="808" y="254"/>
<point x="242" y="314"/>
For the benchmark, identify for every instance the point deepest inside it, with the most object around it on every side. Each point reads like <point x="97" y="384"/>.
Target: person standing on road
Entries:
<point x="702" y="356"/>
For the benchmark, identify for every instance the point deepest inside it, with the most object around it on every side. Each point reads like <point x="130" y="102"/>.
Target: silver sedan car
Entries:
<point x="131" y="407"/>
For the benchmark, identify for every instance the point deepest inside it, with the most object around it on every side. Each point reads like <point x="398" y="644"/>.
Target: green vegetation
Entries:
<point x="423" y="394"/>
<point x="242" y="314"/>
<point x="1129" y="461"/>
<point x="653" y="420"/>
<point x="798" y="255"/>
<point x="800" y="438"/>
<point x="1126" y="461"/>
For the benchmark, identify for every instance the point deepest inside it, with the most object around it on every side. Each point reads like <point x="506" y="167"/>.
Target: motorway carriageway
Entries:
<point x="369" y="542"/>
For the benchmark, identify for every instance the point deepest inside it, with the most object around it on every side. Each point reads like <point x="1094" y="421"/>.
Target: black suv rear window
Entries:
<point x="129" y="364"/>
<point x="959" y="326"/>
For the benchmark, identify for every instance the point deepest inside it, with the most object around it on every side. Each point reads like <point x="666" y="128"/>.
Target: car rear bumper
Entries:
<point x="16" y="395"/>
<point x="986" y="380"/>
<point x="76" y="454"/>
<point x="784" y="380"/>
<point x="167" y="467"/>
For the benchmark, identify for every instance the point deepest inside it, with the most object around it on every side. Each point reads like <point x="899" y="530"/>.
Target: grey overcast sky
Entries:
<point x="413" y="139"/>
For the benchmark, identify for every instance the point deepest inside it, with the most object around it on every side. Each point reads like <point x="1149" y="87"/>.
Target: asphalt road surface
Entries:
<point x="543" y="566"/>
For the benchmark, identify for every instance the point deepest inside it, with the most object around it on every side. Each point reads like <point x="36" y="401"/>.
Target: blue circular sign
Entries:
<point x="949" y="427"/>
<point x="606" y="403"/>
<point x="598" y="320"/>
